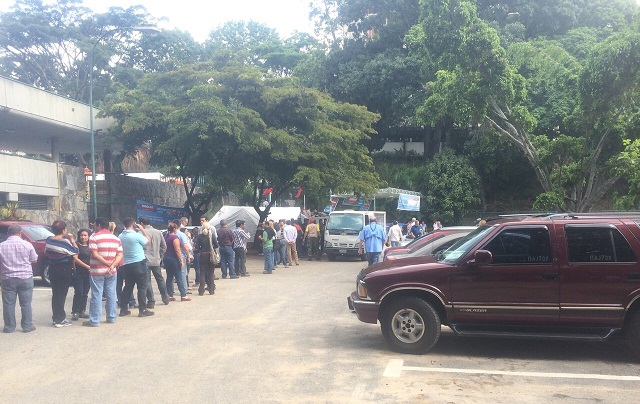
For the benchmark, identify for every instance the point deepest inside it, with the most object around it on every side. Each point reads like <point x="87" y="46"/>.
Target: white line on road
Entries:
<point x="396" y="366"/>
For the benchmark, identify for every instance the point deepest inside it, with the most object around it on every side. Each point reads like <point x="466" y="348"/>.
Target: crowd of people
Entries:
<point x="110" y="261"/>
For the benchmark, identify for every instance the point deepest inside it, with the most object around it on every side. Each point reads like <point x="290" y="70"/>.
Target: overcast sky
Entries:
<point x="199" y="17"/>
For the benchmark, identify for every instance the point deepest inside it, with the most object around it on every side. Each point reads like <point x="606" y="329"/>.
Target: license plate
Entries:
<point x="342" y="251"/>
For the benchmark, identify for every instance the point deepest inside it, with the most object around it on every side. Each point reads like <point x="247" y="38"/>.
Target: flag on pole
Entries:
<point x="267" y="191"/>
<point x="299" y="193"/>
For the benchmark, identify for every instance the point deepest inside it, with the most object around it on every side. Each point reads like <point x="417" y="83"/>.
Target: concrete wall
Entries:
<point x="118" y="193"/>
<point x="65" y="187"/>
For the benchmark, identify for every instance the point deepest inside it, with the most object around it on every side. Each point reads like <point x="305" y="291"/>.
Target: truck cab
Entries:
<point x="342" y="232"/>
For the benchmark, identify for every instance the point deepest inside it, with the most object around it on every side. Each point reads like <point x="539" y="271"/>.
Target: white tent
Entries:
<point x="250" y="216"/>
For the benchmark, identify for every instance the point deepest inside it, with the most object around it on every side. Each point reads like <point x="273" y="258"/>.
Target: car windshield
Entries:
<point x="37" y="232"/>
<point x="462" y="246"/>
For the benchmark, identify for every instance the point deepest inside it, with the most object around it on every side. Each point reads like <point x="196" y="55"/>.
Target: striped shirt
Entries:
<point x="16" y="256"/>
<point x="240" y="238"/>
<point x="59" y="251"/>
<point x="108" y="246"/>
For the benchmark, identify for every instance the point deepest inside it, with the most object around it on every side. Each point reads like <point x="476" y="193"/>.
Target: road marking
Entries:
<point x="396" y="366"/>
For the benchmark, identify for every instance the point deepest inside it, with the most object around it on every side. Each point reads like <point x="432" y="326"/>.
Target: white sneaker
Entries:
<point x="63" y="323"/>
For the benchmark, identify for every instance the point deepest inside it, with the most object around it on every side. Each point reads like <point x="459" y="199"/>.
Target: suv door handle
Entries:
<point x="634" y="276"/>
<point x="550" y="276"/>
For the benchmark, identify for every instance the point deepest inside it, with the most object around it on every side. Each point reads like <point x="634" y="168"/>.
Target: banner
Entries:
<point x="409" y="202"/>
<point x="159" y="215"/>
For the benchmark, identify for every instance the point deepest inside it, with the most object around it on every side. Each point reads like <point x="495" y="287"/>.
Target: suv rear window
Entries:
<point x="597" y="244"/>
<point x="521" y="245"/>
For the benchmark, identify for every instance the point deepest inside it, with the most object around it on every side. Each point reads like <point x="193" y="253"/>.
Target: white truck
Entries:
<point x="342" y="232"/>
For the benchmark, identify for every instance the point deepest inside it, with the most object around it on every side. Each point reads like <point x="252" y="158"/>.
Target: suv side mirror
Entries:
<point x="482" y="257"/>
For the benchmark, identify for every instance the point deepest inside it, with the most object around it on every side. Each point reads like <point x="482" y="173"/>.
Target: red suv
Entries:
<point x="36" y="234"/>
<point x="563" y="276"/>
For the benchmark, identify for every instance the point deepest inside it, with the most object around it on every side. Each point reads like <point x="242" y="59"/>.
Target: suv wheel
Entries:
<point x="410" y="325"/>
<point x="632" y="334"/>
<point x="45" y="275"/>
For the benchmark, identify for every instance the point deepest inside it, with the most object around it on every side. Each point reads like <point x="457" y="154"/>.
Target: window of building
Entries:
<point x="521" y="245"/>
<point x="32" y="202"/>
<point x="597" y="244"/>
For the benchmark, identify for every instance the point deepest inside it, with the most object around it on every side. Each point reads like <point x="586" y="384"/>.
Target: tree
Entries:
<point x="451" y="187"/>
<point x="238" y="125"/>
<point x="476" y="83"/>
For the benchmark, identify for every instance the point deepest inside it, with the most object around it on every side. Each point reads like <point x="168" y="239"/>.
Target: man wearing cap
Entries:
<point x="372" y="237"/>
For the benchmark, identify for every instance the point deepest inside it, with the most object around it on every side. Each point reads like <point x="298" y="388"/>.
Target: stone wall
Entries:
<point x="118" y="193"/>
<point x="71" y="203"/>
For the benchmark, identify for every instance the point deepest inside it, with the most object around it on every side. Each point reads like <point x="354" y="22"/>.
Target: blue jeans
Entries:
<point x="172" y="266"/>
<point x="22" y="289"/>
<point x="103" y="284"/>
<point x="373" y="257"/>
<point x="281" y="253"/>
<point x="227" y="256"/>
<point x="268" y="258"/>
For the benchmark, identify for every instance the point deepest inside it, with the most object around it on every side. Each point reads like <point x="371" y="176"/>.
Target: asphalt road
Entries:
<point x="289" y="338"/>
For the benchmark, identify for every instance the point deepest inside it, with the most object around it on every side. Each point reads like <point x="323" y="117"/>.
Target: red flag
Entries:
<point x="299" y="193"/>
<point x="267" y="191"/>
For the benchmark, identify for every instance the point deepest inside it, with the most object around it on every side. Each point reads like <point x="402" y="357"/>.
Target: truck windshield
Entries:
<point x="464" y="245"/>
<point x="344" y="221"/>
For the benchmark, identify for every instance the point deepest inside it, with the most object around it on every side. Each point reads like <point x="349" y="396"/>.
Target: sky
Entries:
<point x="199" y="17"/>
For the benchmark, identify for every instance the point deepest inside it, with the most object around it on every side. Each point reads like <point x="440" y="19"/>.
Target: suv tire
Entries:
<point x="632" y="334"/>
<point x="410" y="325"/>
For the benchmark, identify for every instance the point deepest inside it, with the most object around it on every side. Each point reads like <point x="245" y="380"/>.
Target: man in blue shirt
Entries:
<point x="372" y="237"/>
<point x="135" y="270"/>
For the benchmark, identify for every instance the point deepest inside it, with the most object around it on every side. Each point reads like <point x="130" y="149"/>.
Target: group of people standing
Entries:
<point x="111" y="265"/>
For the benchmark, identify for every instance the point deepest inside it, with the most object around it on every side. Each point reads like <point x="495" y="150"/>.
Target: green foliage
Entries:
<point x="451" y="187"/>
<point x="548" y="201"/>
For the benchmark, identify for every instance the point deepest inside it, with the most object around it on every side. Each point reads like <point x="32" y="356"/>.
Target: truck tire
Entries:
<point x="410" y="325"/>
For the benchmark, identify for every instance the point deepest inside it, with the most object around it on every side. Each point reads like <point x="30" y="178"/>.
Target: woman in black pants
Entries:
<point x="81" y="278"/>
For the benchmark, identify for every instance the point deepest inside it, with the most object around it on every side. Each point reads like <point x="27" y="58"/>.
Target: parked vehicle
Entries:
<point x="563" y="276"/>
<point x="429" y="244"/>
<point x="342" y="233"/>
<point x="36" y="234"/>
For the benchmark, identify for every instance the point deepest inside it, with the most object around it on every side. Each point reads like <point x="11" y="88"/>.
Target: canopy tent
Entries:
<point x="250" y="216"/>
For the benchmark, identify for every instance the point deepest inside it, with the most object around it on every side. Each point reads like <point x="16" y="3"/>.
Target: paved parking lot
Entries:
<point x="289" y="338"/>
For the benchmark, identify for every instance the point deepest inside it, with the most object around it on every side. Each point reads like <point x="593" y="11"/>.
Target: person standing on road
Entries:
<point x="372" y="237"/>
<point x="16" y="275"/>
<point x="61" y="250"/>
<point x="312" y="237"/>
<point x="394" y="236"/>
<point x="106" y="253"/>
<point x="280" y="245"/>
<point x="240" y="237"/>
<point x="154" y="252"/>
<point x="173" y="261"/>
<point x="135" y="264"/>
<point x="206" y="242"/>
<point x="416" y="230"/>
<point x="227" y="256"/>
<point x="267" y="236"/>
<point x="184" y="248"/>
<point x="81" y="279"/>
<point x="291" y="236"/>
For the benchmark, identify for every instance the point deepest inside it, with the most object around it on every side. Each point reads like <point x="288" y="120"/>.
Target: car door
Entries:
<point x="519" y="286"/>
<point x="598" y="273"/>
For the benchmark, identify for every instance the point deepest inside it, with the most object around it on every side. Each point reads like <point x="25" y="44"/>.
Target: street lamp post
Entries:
<point x="94" y="199"/>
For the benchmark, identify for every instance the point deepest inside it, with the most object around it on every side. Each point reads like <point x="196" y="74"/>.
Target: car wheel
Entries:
<point x="632" y="334"/>
<point x="45" y="275"/>
<point x="410" y="325"/>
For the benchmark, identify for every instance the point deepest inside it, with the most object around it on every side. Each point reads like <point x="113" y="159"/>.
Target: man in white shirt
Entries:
<point x="291" y="235"/>
<point x="394" y="236"/>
